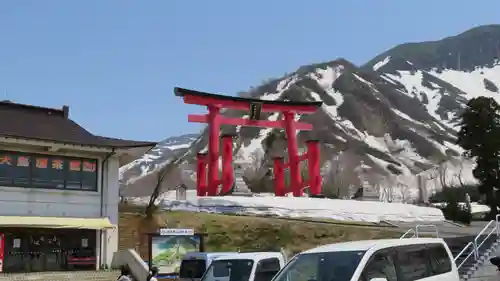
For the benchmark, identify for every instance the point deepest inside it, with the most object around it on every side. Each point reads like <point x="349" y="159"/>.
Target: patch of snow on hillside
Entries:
<point x="472" y="82"/>
<point x="255" y="144"/>
<point x="455" y="147"/>
<point x="346" y="210"/>
<point x="388" y="79"/>
<point x="413" y="84"/>
<point x="179" y="146"/>
<point x="405" y="153"/>
<point x="406" y="117"/>
<point x="364" y="81"/>
<point x="379" y="162"/>
<point x="414" y="87"/>
<point x="376" y="143"/>
<point x="381" y="63"/>
<point x="331" y="110"/>
<point x="348" y="128"/>
<point x="282" y="86"/>
<point x="326" y="77"/>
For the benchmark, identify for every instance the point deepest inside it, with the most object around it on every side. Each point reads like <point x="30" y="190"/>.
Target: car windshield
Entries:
<point x="328" y="266"/>
<point x="192" y="268"/>
<point x="229" y="270"/>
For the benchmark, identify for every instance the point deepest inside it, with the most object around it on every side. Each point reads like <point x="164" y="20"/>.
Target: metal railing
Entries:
<point x="415" y="232"/>
<point x="419" y="226"/>
<point x="407" y="233"/>
<point x="469" y="245"/>
<point x="474" y="246"/>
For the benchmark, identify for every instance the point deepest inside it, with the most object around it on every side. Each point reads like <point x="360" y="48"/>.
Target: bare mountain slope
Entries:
<point x="381" y="124"/>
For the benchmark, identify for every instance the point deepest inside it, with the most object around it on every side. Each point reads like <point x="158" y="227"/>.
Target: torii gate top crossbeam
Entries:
<point x="240" y="103"/>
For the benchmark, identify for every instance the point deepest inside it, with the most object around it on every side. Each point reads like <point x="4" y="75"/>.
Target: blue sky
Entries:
<point x="115" y="62"/>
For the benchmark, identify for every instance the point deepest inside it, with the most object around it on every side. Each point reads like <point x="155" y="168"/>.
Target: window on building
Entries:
<point x="74" y="175"/>
<point x="47" y="171"/>
<point x="21" y="172"/>
<point x="89" y="174"/>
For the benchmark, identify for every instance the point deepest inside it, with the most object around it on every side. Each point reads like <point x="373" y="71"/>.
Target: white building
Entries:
<point x="59" y="190"/>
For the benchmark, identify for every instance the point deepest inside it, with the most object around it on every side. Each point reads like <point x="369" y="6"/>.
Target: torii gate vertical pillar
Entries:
<point x="279" y="177"/>
<point x="201" y="174"/>
<point x="313" y="164"/>
<point x="213" y="150"/>
<point x="293" y="154"/>
<point x="227" y="163"/>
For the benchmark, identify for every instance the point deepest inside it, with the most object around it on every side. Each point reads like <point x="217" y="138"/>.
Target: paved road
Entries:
<point x="445" y="229"/>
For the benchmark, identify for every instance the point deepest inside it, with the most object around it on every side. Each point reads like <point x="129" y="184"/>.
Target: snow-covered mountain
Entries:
<point x="159" y="154"/>
<point x="381" y="124"/>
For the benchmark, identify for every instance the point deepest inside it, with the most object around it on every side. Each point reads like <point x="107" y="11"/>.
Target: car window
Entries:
<point x="326" y="266"/>
<point x="439" y="258"/>
<point x="266" y="269"/>
<point x="413" y="262"/>
<point x="381" y="265"/>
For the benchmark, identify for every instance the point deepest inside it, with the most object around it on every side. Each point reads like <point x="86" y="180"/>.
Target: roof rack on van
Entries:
<point x="415" y="232"/>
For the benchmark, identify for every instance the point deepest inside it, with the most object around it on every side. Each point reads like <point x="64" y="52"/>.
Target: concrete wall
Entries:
<point x="17" y="201"/>
<point x="111" y="200"/>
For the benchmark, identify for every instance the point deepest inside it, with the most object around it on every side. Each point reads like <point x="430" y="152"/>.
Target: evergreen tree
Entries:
<point x="479" y="136"/>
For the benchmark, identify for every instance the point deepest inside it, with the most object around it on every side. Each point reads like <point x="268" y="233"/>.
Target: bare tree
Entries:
<point x="459" y="176"/>
<point x="160" y="177"/>
<point x="162" y="174"/>
<point x="385" y="188"/>
<point x="442" y="174"/>
<point x="376" y="181"/>
<point x="340" y="177"/>
<point x="404" y="191"/>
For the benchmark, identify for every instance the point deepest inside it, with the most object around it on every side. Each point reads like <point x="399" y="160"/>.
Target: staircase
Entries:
<point x="471" y="253"/>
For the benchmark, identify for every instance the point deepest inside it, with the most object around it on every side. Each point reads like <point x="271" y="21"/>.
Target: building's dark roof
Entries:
<point x="50" y="124"/>
<point x="181" y="92"/>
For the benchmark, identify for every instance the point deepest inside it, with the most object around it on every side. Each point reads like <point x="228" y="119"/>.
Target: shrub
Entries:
<point x="453" y="210"/>
<point x="456" y="192"/>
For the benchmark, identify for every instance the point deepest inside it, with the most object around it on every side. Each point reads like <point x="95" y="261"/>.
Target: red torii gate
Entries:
<point x="215" y="103"/>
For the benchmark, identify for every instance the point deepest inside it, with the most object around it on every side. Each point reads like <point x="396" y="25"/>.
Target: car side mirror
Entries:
<point x="378" y="279"/>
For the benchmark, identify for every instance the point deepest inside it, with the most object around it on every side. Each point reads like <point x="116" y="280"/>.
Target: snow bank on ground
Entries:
<point x="346" y="210"/>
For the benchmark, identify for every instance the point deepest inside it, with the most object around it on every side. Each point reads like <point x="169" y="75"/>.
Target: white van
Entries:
<point x="194" y="264"/>
<point x="425" y="259"/>
<point x="256" y="266"/>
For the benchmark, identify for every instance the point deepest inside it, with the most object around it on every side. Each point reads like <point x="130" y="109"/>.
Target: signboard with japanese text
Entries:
<point x="47" y="171"/>
<point x="176" y="231"/>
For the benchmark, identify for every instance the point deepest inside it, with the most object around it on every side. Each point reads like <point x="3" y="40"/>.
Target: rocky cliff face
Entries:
<point x="381" y="124"/>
